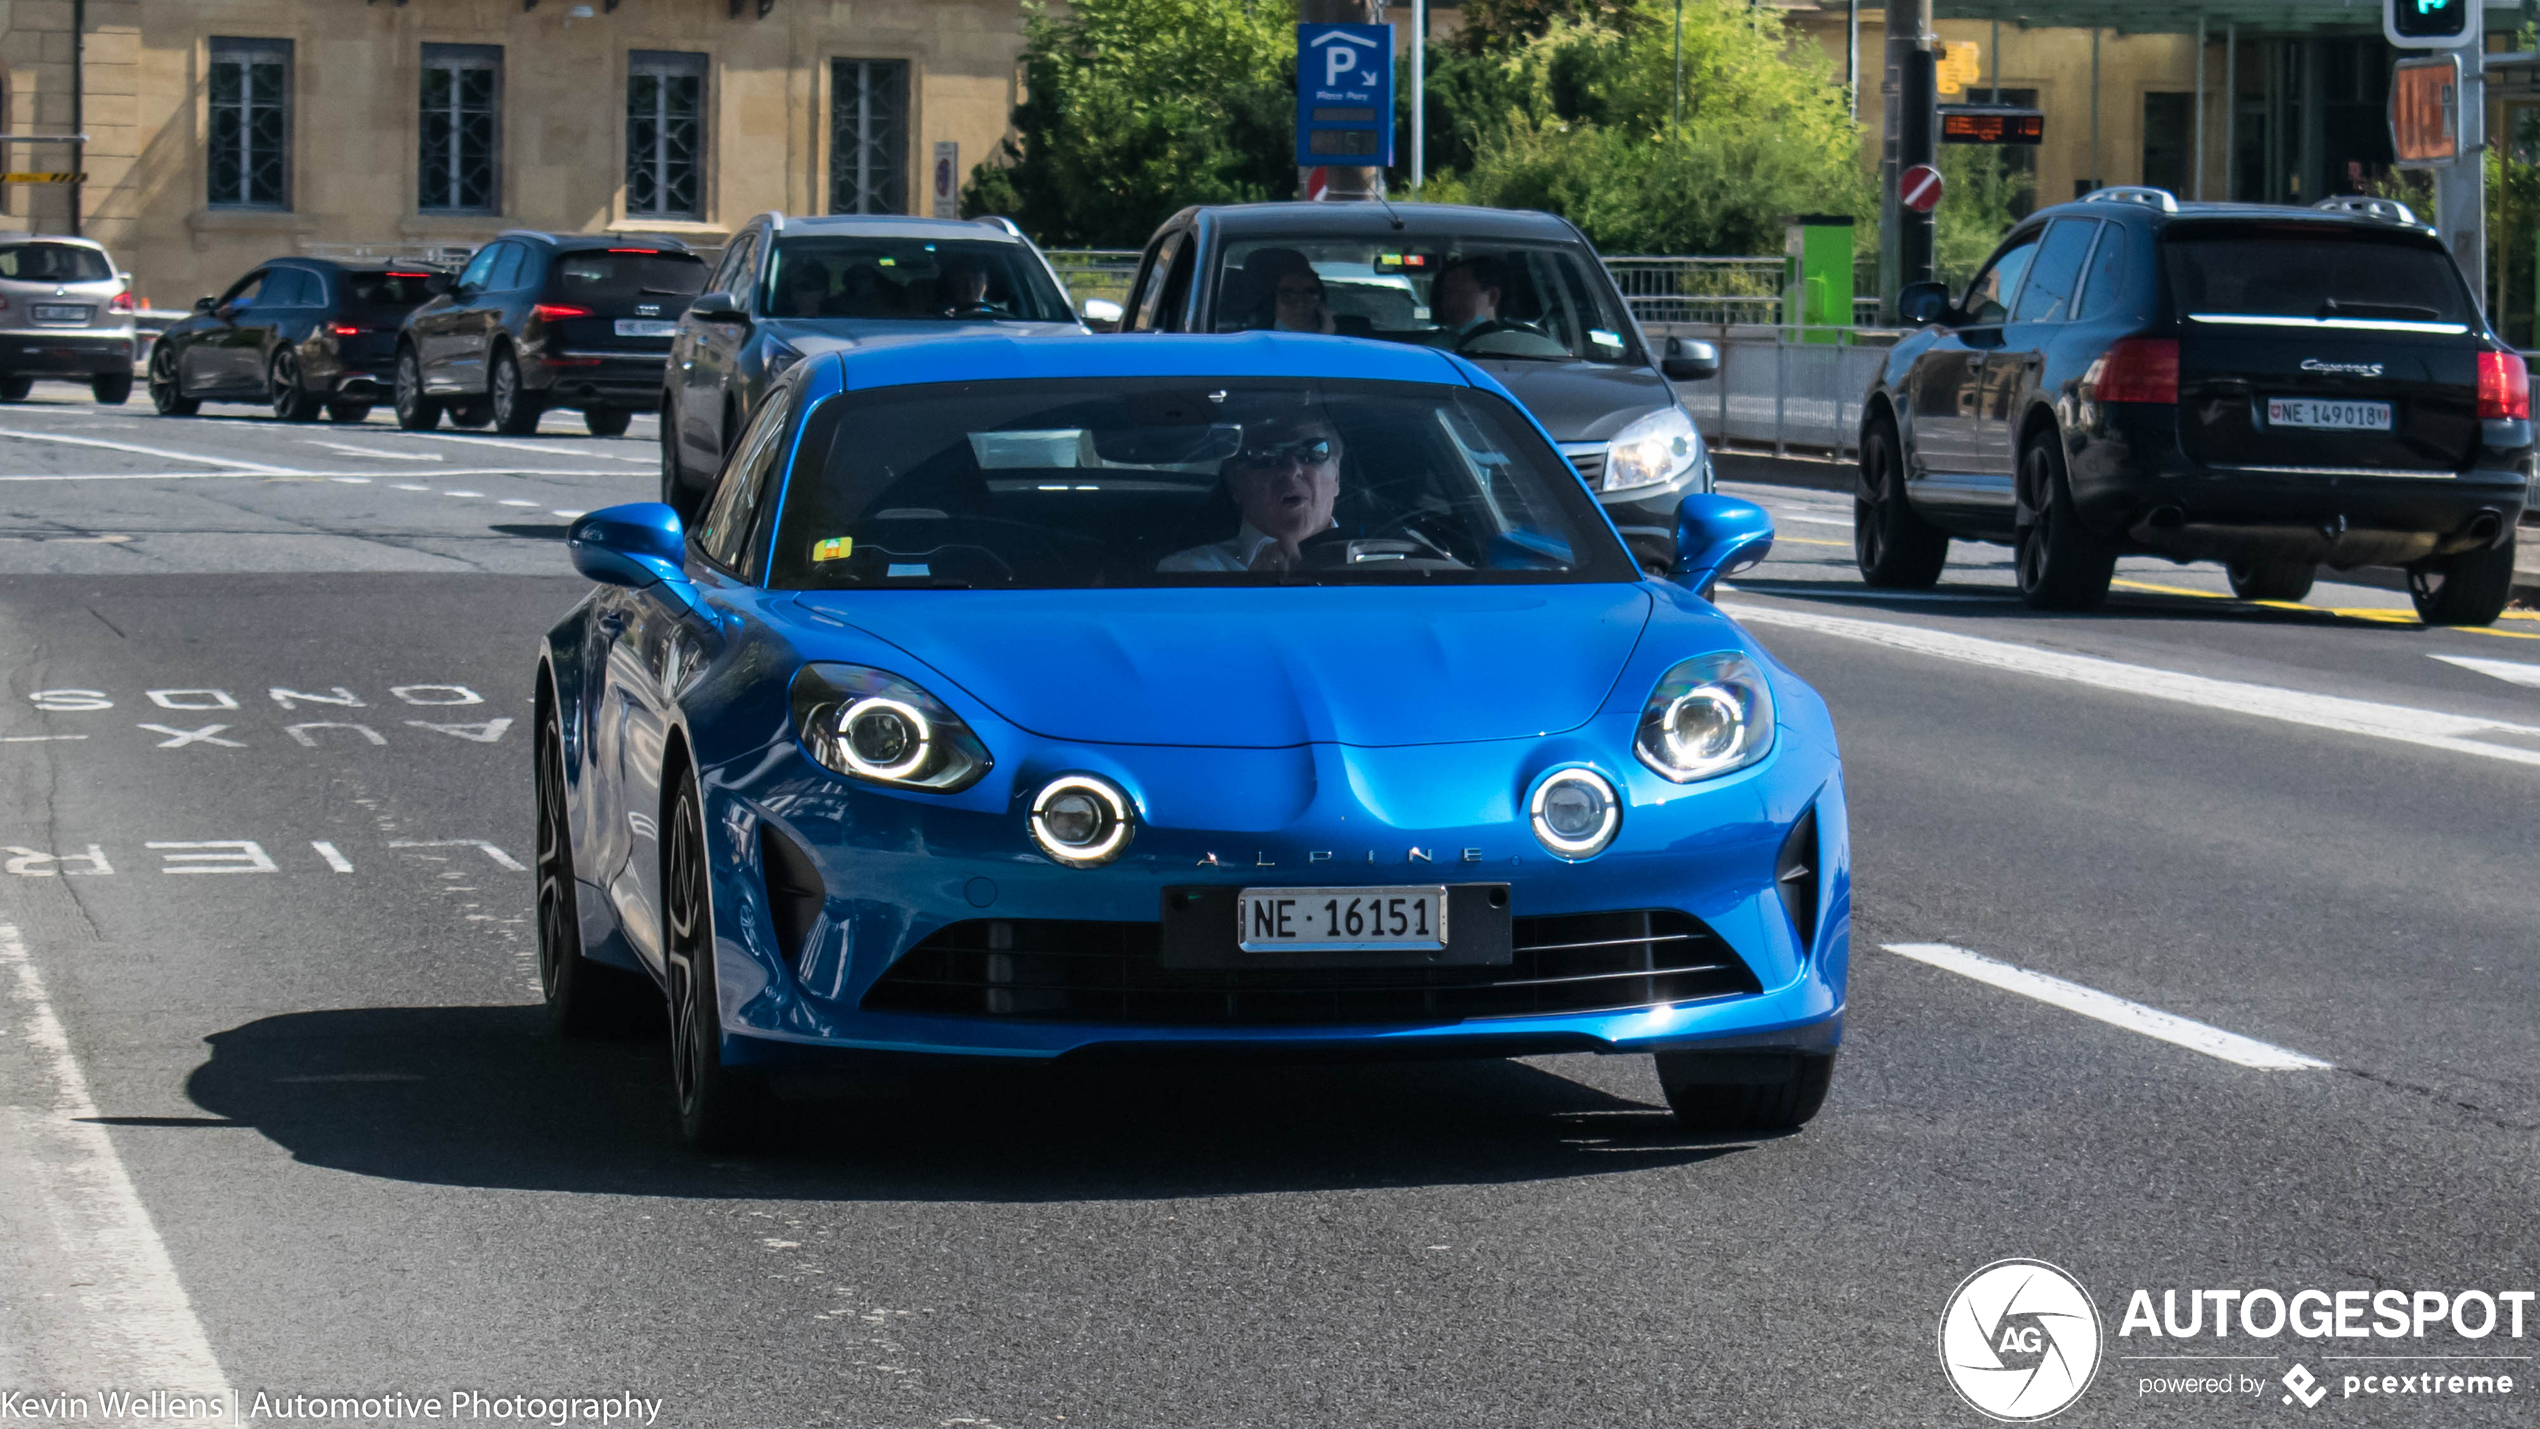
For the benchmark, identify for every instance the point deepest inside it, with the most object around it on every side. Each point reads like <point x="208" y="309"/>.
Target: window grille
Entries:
<point x="250" y="137"/>
<point x="665" y="134"/>
<point x="868" y="136"/>
<point x="460" y="128"/>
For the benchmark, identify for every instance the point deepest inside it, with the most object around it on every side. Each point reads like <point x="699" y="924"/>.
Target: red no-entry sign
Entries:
<point x="1918" y="188"/>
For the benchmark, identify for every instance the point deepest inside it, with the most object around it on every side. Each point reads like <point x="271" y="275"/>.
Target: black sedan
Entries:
<point x="300" y="335"/>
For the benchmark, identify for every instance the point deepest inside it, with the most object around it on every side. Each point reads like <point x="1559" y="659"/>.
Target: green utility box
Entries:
<point x="1817" y="277"/>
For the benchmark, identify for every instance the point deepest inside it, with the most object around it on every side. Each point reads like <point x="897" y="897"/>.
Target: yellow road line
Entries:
<point x="1804" y="541"/>
<point x="2379" y="615"/>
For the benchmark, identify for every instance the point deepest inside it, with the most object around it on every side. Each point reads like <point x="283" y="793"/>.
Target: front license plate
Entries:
<point x="1308" y="920"/>
<point x="61" y="312"/>
<point x="646" y="327"/>
<point x="2328" y="416"/>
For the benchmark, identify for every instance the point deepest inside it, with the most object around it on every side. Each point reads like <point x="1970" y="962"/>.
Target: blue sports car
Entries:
<point x="1264" y="693"/>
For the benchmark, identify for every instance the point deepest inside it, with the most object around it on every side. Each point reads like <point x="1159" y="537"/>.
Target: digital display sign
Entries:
<point x="1991" y="124"/>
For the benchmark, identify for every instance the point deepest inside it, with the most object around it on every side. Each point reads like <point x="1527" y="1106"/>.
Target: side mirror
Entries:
<point x="204" y="305"/>
<point x="1922" y="304"/>
<point x="717" y="307"/>
<point x="635" y="545"/>
<point x="436" y="284"/>
<point x="1689" y="360"/>
<point x="1716" y="536"/>
<point x="1102" y="315"/>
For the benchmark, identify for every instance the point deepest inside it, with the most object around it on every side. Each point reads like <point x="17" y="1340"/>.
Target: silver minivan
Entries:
<point x="65" y="313"/>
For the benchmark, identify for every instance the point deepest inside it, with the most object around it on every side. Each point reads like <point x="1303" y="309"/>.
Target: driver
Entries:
<point x="802" y="288"/>
<point x="1466" y="298"/>
<point x="964" y="286"/>
<point x="1285" y="481"/>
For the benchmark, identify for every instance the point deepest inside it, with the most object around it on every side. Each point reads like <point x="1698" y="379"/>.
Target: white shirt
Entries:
<point x="1235" y="555"/>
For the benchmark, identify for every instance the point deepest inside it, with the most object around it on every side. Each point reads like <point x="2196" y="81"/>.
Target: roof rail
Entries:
<point x="2388" y="210"/>
<point x="2161" y="199"/>
<point x="1000" y="221"/>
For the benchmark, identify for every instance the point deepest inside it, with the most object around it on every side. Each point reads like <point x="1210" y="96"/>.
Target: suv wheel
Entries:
<point x="2471" y="588"/>
<point x="415" y="411"/>
<point x="2277" y="578"/>
<point x="15" y="389"/>
<point x="516" y="408"/>
<point x="1745" y="1091"/>
<point x="167" y="398"/>
<point x="606" y="421"/>
<point x="1897" y="549"/>
<point x="2061" y="564"/>
<point x="111" y="389"/>
<point x="291" y="402"/>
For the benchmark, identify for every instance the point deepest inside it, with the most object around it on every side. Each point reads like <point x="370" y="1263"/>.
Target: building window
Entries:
<point x="868" y="136"/>
<point x="462" y="97"/>
<point x="665" y="132"/>
<point x="251" y="123"/>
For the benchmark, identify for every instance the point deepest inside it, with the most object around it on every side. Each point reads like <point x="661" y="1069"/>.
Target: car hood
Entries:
<point x="811" y="335"/>
<point x="1264" y="668"/>
<point x="1582" y="401"/>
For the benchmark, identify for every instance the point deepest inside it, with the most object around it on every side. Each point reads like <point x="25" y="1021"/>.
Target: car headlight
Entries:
<point x="1707" y="717"/>
<point x="1575" y="813"/>
<point x="872" y="725"/>
<point x="778" y="357"/>
<point x="1082" y="820"/>
<point x="1659" y="447"/>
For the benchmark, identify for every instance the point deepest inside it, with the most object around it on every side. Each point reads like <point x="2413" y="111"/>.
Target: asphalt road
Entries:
<point x="276" y="1115"/>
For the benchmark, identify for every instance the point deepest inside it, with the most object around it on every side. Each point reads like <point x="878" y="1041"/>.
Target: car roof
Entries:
<point x="1407" y="220"/>
<point x="12" y="240"/>
<point x="2187" y="210"/>
<point x="998" y="358"/>
<point x="578" y="242"/>
<point x="882" y="225"/>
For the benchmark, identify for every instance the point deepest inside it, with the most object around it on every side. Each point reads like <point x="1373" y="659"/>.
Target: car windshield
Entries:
<point x="386" y="295"/>
<point x="1147" y="482"/>
<point x="618" y="278"/>
<point x="1543" y="302"/>
<point x="2311" y="271"/>
<point x="909" y="280"/>
<point x="54" y="263"/>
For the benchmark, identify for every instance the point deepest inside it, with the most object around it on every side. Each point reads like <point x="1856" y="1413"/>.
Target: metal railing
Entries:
<point x="1095" y="272"/>
<point x="1778" y="390"/>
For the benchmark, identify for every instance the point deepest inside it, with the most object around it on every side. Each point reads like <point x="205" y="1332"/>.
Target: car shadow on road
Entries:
<point x="481" y="1096"/>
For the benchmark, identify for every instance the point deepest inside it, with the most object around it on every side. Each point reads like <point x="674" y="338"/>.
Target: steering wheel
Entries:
<point x="974" y="310"/>
<point x="1417" y="537"/>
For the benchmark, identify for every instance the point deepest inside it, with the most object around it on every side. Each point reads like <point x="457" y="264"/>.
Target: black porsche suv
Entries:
<point x="2273" y="388"/>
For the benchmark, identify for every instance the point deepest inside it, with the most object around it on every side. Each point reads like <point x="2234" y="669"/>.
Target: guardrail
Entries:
<point x="1095" y="272"/>
<point x="1777" y="390"/>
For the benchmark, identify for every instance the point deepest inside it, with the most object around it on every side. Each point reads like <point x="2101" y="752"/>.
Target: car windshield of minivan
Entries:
<point x="386" y="296"/>
<point x="1485" y="300"/>
<point x="1085" y="483"/>
<point x="54" y="263"/>
<point x="2309" y="274"/>
<point x="909" y="280"/>
<point x="616" y="277"/>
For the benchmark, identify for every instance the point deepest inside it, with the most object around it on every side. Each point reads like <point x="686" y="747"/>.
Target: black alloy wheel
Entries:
<point x="516" y="408"/>
<point x="1745" y="1091"/>
<point x="607" y="421"/>
<point x="111" y="389"/>
<point x="477" y="411"/>
<point x="415" y="411"/>
<point x="720" y="1108"/>
<point x="167" y="395"/>
<point x="2471" y="588"/>
<point x="2060" y="563"/>
<point x="1896" y="548"/>
<point x="2274" y="578"/>
<point x="291" y="402"/>
<point x="15" y="389"/>
<point x="350" y="414"/>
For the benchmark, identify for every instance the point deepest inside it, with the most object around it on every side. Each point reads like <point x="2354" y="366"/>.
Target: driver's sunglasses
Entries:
<point x="1311" y="451"/>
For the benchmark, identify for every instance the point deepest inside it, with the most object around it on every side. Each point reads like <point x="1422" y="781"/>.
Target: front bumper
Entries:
<point x="1646" y="515"/>
<point x="896" y="871"/>
<point x="66" y="352"/>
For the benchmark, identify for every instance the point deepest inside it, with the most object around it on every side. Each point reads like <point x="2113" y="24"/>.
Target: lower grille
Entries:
<point x="1590" y="466"/>
<point x="1082" y="971"/>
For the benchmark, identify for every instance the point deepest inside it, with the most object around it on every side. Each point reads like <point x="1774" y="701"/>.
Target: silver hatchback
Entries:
<point x="66" y="313"/>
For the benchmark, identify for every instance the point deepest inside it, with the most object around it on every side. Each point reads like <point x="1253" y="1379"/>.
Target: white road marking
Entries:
<point x="1800" y="592"/>
<point x="36" y="738"/>
<point x="351" y="480"/>
<point x="515" y="501"/>
<point x="568" y="515"/>
<point x="2404" y="724"/>
<point x="573" y="451"/>
<point x="261" y="468"/>
<point x="2115" y="1011"/>
<point x="179" y="738"/>
<point x="278" y="472"/>
<point x="58" y="1167"/>
<point x="501" y="859"/>
<point x="2507" y="670"/>
<point x="334" y="857"/>
<point x="410" y="486"/>
<point x="1844" y="522"/>
<point x="374" y="453"/>
<point x="464" y="493"/>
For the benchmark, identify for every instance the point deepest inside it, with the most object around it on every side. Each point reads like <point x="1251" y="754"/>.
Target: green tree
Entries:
<point x="1136" y="108"/>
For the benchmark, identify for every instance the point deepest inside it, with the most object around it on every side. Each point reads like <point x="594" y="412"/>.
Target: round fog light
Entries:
<point x="1575" y="813"/>
<point x="1081" y="820"/>
<point x="884" y="738"/>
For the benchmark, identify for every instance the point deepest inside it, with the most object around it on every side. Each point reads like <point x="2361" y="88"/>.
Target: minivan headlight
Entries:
<point x="1707" y="717"/>
<point x="872" y="725"/>
<point x="1657" y="448"/>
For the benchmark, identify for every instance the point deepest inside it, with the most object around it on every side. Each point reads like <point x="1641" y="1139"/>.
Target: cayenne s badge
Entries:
<point x="2358" y="369"/>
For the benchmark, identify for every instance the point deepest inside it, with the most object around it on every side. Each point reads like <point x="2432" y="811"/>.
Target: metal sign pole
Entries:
<point x="2460" y="187"/>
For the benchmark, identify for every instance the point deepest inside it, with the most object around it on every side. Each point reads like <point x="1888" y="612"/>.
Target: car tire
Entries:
<point x="1896" y="548"/>
<point x="2471" y="588"/>
<point x="584" y="998"/>
<point x="675" y="490"/>
<point x="516" y="408"/>
<point x="15" y="389"/>
<point x="721" y="1108"/>
<point x="475" y="412"/>
<point x="290" y="401"/>
<point x="606" y="421"/>
<point x="167" y="393"/>
<point x="2277" y="578"/>
<point x="2061" y="564"/>
<point x="111" y="389"/>
<point x="415" y="411"/>
<point x="350" y="414"/>
<point x="1745" y="1091"/>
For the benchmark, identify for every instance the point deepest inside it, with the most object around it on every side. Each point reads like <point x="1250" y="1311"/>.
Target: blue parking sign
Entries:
<point x="1344" y="95"/>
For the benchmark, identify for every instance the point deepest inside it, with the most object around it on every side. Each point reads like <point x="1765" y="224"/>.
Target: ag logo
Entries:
<point x="2020" y="1340"/>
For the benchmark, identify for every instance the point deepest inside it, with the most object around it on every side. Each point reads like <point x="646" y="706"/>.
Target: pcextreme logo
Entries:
<point x="2020" y="1340"/>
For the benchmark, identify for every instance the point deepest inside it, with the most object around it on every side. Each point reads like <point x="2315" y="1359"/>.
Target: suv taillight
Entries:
<point x="121" y="304"/>
<point x="2504" y="387"/>
<point x="554" y="311"/>
<point x="2135" y="369"/>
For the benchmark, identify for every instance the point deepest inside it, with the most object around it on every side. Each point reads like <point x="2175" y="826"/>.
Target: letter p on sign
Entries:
<point x="1338" y="61"/>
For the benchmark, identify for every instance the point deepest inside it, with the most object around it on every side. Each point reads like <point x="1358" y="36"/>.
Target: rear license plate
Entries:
<point x="2328" y="416"/>
<point x="1307" y="920"/>
<point x="646" y="327"/>
<point x="61" y="312"/>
